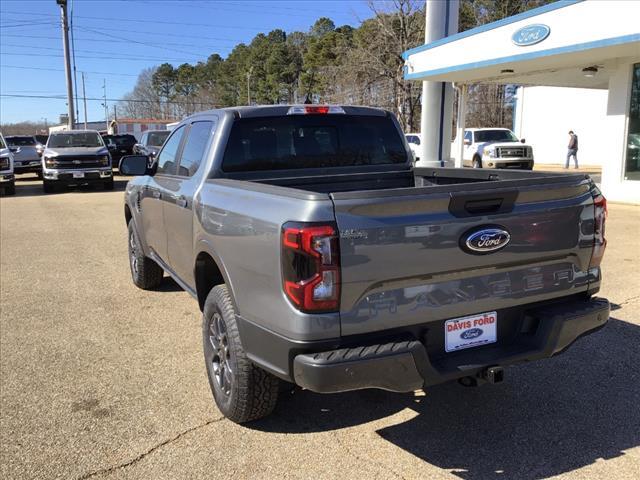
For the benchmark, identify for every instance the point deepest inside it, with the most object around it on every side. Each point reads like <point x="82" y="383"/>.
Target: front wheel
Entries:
<point x="477" y="163"/>
<point x="10" y="189"/>
<point x="108" y="185"/>
<point x="242" y="391"/>
<point x="145" y="273"/>
<point x="48" y="186"/>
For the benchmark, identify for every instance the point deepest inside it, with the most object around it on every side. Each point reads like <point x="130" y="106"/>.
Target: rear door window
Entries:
<point x="312" y="141"/>
<point x="194" y="148"/>
<point x="168" y="157"/>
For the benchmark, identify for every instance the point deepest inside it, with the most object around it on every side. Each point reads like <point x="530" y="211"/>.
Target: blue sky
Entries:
<point x="116" y="39"/>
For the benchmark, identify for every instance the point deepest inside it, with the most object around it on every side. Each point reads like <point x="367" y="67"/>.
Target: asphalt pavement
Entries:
<point x="99" y="379"/>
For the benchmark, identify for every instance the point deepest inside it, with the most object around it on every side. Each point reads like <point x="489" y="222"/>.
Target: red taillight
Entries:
<point x="314" y="109"/>
<point x="599" y="241"/>
<point x="311" y="266"/>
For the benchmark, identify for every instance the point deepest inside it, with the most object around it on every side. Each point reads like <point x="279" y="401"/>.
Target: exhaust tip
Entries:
<point x="494" y="374"/>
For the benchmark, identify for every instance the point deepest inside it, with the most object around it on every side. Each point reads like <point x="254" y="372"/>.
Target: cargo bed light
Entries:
<point x="314" y="109"/>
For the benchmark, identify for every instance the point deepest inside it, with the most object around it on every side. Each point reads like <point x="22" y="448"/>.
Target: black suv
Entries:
<point x="119" y="146"/>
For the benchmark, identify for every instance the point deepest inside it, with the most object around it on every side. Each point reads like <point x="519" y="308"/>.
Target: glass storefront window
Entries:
<point x="632" y="167"/>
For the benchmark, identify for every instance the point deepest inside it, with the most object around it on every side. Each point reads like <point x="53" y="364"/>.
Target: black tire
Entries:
<point x="39" y="175"/>
<point x="9" y="189"/>
<point x="47" y="186"/>
<point x="108" y="185"/>
<point x="242" y="391"/>
<point x="477" y="163"/>
<point x="145" y="273"/>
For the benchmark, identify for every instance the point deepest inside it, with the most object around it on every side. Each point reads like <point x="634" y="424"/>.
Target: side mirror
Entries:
<point x="467" y="141"/>
<point x="522" y="140"/>
<point x="134" y="165"/>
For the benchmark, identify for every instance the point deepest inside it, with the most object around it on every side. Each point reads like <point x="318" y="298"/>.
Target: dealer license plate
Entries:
<point x="78" y="175"/>
<point x="471" y="331"/>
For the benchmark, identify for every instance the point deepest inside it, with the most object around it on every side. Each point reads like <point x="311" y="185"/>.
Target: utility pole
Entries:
<point x="106" y="108"/>
<point x="67" y="62"/>
<point x="84" y="99"/>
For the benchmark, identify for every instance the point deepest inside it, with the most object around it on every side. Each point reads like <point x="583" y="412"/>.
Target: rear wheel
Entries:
<point x="145" y="273"/>
<point x="477" y="163"/>
<point x="242" y="391"/>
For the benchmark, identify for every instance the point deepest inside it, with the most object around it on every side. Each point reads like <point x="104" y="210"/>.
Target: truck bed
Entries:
<point x="416" y="178"/>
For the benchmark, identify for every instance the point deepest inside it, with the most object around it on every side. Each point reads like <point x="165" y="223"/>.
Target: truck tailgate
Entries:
<point x="405" y="261"/>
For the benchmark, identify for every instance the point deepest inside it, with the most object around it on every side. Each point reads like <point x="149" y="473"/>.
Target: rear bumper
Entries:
<point x="403" y="365"/>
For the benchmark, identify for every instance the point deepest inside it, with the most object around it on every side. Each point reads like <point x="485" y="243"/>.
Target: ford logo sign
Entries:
<point x="487" y="240"/>
<point x="471" y="334"/>
<point x="530" y="35"/>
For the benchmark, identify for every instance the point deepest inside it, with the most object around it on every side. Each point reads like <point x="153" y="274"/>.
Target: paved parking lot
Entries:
<point x="102" y="380"/>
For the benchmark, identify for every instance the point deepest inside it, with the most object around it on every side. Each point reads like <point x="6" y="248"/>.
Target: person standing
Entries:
<point x="573" y="149"/>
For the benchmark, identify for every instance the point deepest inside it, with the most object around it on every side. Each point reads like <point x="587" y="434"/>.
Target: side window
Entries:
<point x="143" y="140"/>
<point x="467" y="136"/>
<point x="167" y="158"/>
<point x="416" y="140"/>
<point x="194" y="148"/>
<point x="411" y="139"/>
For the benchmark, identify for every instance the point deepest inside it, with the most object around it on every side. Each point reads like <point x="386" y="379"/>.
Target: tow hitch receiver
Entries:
<point x="493" y="374"/>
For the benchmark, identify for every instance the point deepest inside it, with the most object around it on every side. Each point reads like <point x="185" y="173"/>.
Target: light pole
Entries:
<point x="67" y="62"/>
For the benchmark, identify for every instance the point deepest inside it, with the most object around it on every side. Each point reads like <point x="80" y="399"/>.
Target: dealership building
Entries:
<point x="589" y="48"/>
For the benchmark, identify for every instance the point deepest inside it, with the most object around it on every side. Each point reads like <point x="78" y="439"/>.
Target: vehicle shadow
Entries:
<point x="33" y="188"/>
<point x="169" y="285"/>
<point x="548" y="418"/>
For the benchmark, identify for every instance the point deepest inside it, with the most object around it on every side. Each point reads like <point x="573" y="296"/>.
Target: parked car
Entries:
<point x="41" y="143"/>
<point x="119" y="146"/>
<point x="26" y="155"/>
<point x="495" y="148"/>
<point x="413" y="139"/>
<point x="321" y="257"/>
<point x="76" y="157"/>
<point x="7" y="178"/>
<point x="151" y="142"/>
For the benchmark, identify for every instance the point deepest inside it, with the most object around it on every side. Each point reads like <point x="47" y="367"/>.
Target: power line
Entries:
<point x="61" y="70"/>
<point x="101" y="99"/>
<point x="98" y="52"/>
<point x="51" y="55"/>
<point x="148" y="21"/>
<point x="99" y="40"/>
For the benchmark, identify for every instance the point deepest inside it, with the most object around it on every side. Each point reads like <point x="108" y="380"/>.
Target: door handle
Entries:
<point x="156" y="194"/>
<point x="181" y="201"/>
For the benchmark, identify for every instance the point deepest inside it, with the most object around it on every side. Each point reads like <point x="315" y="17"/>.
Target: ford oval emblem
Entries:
<point x="471" y="334"/>
<point x="530" y="35"/>
<point x="487" y="240"/>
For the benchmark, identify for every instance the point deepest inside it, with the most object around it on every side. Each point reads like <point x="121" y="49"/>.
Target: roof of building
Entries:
<point x="570" y="43"/>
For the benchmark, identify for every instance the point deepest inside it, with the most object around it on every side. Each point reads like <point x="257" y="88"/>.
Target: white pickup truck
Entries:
<point x="495" y="148"/>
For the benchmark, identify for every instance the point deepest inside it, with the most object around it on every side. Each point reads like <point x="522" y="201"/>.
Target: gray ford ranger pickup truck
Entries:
<point x="320" y="257"/>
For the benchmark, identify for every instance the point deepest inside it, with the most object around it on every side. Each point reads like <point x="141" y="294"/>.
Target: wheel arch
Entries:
<point x="209" y="272"/>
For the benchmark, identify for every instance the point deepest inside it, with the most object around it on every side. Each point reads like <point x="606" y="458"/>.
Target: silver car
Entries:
<point x="76" y="157"/>
<point x="26" y="154"/>
<point x="7" y="179"/>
